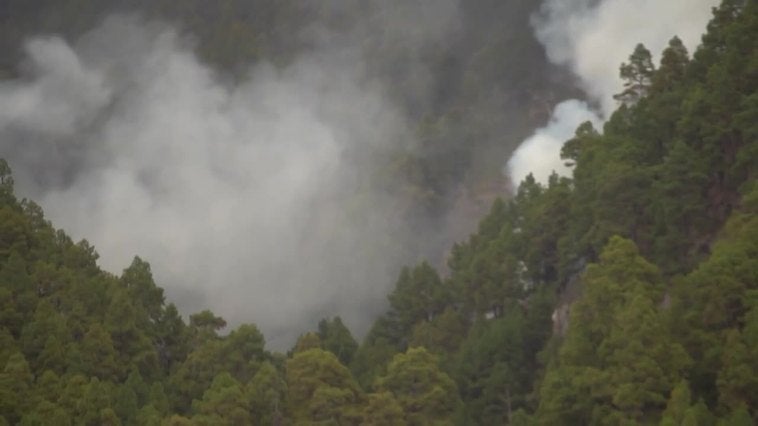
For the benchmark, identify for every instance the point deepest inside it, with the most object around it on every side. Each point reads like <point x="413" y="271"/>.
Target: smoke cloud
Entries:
<point x="254" y="199"/>
<point x="592" y="38"/>
<point x="540" y="153"/>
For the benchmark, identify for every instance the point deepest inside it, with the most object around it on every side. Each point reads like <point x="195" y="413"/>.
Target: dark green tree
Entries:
<point x="267" y="393"/>
<point x="673" y="68"/>
<point x="98" y="356"/>
<point x="419" y="295"/>
<point x="337" y="339"/>
<point x="320" y="389"/>
<point x="138" y="280"/>
<point x="383" y="409"/>
<point x="425" y="393"/>
<point x="15" y="388"/>
<point x="223" y="403"/>
<point x="637" y="75"/>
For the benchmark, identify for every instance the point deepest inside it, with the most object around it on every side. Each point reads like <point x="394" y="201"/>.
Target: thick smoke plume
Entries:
<point x="254" y="199"/>
<point x="592" y="38"/>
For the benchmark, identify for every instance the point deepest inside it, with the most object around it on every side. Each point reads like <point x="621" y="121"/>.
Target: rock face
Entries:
<point x="568" y="295"/>
<point x="560" y="319"/>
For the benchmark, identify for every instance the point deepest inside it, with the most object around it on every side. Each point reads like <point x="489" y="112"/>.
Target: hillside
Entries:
<point x="223" y="139"/>
<point x="624" y="294"/>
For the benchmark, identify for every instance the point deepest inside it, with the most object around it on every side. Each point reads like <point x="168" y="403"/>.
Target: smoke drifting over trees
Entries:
<point x="253" y="199"/>
<point x="285" y="185"/>
<point x="591" y="38"/>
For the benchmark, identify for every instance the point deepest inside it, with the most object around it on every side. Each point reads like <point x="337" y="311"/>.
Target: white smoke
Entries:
<point x="540" y="153"/>
<point x="63" y="95"/>
<point x="592" y="38"/>
<point x="253" y="199"/>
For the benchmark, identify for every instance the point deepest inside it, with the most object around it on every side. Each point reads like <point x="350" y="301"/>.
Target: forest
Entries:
<point x="626" y="293"/>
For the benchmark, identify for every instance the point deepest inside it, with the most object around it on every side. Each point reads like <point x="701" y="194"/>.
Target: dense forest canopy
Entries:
<point x="626" y="293"/>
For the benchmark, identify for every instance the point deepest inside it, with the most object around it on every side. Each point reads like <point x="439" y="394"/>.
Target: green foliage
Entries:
<point x="6" y="178"/>
<point x="738" y="417"/>
<point x="442" y="335"/>
<point x="419" y="295"/>
<point x="267" y="393"/>
<point x="243" y="352"/>
<point x="46" y="413"/>
<point x="138" y="281"/>
<point x="618" y="362"/>
<point x="320" y="389"/>
<point x="98" y="356"/>
<point x="148" y="416"/>
<point x="383" y="409"/>
<point x="737" y="380"/>
<point x="194" y="375"/>
<point x="206" y="324"/>
<point x="495" y="366"/>
<point x="15" y="386"/>
<point x="223" y="403"/>
<point x="157" y="399"/>
<point x="307" y="341"/>
<point x="678" y="406"/>
<point x="43" y="339"/>
<point x="637" y="75"/>
<point x="125" y="322"/>
<point x="425" y="393"/>
<point x="673" y="68"/>
<point x="371" y="358"/>
<point x="172" y="337"/>
<point x="336" y="338"/>
<point x="711" y="309"/>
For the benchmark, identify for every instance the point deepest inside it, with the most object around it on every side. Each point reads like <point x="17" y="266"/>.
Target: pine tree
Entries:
<point x="425" y="393"/>
<point x="383" y="409"/>
<point x="337" y="339"/>
<point x="617" y="363"/>
<point x="674" y="61"/>
<point x="319" y="388"/>
<point x="223" y="403"/>
<point x="98" y="356"/>
<point x="637" y="75"/>
<point x="15" y="388"/>
<point x="267" y="392"/>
